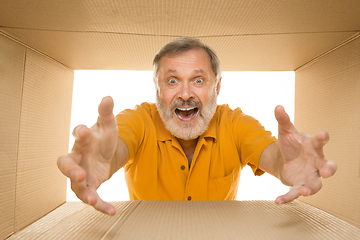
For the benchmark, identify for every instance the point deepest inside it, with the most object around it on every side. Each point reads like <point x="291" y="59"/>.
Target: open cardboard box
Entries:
<point x="42" y="42"/>
<point x="190" y="220"/>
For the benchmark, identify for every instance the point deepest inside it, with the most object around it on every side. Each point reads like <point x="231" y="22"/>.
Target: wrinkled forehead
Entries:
<point x="196" y="60"/>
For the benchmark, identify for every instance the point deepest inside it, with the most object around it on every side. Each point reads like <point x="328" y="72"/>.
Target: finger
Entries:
<point x="70" y="167"/>
<point x="327" y="169"/>
<point x="108" y="127"/>
<point x="89" y="196"/>
<point x="83" y="192"/>
<point x="320" y="139"/>
<point x="312" y="186"/>
<point x="104" y="207"/>
<point x="283" y="120"/>
<point x="82" y="135"/>
<point x="293" y="193"/>
<point x="106" y="116"/>
<point x="76" y="134"/>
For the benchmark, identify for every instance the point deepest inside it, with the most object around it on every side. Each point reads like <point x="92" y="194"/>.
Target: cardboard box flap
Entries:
<point x="332" y="82"/>
<point x="126" y="34"/>
<point x="76" y="220"/>
<point x="11" y="79"/>
<point x="191" y="220"/>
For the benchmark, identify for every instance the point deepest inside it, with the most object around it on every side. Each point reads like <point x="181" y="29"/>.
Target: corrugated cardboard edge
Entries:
<point x="191" y="220"/>
<point x="316" y="59"/>
<point x="114" y="229"/>
<point x="5" y="34"/>
<point x="232" y="220"/>
<point x="76" y="220"/>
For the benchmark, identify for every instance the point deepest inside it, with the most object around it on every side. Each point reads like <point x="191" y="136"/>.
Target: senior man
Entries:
<point x="186" y="147"/>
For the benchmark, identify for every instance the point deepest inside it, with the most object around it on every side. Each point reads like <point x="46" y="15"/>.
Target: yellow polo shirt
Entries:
<point x="158" y="168"/>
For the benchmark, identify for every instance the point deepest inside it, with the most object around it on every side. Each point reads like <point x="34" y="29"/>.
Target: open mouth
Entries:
<point x="186" y="114"/>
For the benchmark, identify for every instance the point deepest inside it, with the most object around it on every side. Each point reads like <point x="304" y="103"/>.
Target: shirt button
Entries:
<point x="189" y="198"/>
<point x="182" y="167"/>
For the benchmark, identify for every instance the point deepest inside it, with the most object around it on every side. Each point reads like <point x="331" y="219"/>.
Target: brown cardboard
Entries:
<point x="190" y="220"/>
<point x="79" y="50"/>
<point x="12" y="58"/>
<point x="45" y="40"/>
<point x="76" y="221"/>
<point x="328" y="96"/>
<point x="35" y="95"/>
<point x="46" y="106"/>
<point x="248" y="35"/>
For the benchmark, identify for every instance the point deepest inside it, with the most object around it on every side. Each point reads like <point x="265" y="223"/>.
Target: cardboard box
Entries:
<point x="328" y="93"/>
<point x="35" y="94"/>
<point x="42" y="42"/>
<point x="191" y="220"/>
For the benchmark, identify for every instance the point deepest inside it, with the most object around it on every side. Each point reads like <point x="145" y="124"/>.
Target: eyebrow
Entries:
<point x="195" y="71"/>
<point x="199" y="71"/>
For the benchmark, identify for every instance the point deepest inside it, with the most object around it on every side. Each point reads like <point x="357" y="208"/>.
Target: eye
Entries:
<point x="172" y="81"/>
<point x="199" y="80"/>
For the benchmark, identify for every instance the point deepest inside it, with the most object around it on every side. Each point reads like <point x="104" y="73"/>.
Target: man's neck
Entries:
<point x="188" y="147"/>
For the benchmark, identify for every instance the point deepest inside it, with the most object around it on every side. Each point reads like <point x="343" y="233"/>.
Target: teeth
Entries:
<point x="186" y="109"/>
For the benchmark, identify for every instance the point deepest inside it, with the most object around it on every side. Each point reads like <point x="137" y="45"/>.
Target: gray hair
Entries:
<point x="184" y="44"/>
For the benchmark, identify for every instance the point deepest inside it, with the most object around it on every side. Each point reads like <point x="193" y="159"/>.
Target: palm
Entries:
<point x="88" y="164"/>
<point x="96" y="166"/>
<point x="304" y="161"/>
<point x="96" y="155"/>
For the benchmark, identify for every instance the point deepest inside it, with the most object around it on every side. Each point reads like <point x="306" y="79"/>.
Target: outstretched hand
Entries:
<point x="88" y="163"/>
<point x="304" y="160"/>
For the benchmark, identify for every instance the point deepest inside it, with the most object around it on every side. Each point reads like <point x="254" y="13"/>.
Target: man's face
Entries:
<point x="186" y="95"/>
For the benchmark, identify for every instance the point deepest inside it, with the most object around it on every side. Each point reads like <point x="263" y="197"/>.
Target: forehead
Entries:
<point x="194" y="59"/>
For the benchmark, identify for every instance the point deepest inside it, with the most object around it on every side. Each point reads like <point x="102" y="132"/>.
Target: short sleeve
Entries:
<point x="131" y="127"/>
<point x="251" y="139"/>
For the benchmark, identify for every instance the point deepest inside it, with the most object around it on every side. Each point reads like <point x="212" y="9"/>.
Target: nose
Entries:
<point x="186" y="91"/>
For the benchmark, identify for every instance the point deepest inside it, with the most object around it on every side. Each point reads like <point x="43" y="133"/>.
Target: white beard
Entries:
<point x="187" y="131"/>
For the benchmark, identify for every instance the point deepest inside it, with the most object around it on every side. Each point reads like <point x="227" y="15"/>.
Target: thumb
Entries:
<point x="105" y="110"/>
<point x="107" y="128"/>
<point x="285" y="125"/>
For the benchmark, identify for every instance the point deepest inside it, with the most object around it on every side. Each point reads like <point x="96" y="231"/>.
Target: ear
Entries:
<point x="218" y="86"/>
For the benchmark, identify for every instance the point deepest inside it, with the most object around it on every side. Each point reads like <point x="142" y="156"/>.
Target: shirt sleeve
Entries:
<point x="252" y="139"/>
<point x="131" y="128"/>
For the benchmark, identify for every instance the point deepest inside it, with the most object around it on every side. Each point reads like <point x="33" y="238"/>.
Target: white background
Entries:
<point x="256" y="93"/>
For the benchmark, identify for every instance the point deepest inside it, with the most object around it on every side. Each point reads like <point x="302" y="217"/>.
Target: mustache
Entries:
<point x="189" y="102"/>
